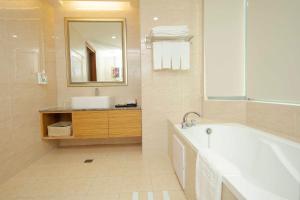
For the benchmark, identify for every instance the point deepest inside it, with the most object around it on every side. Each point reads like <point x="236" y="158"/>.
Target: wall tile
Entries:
<point x="225" y="111"/>
<point x="169" y="94"/>
<point x="282" y="120"/>
<point x="21" y="97"/>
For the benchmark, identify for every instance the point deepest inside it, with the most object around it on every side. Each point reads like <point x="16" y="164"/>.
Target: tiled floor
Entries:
<point x="117" y="172"/>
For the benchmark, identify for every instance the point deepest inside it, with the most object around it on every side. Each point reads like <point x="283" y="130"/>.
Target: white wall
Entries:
<point x="273" y="50"/>
<point x="224" y="46"/>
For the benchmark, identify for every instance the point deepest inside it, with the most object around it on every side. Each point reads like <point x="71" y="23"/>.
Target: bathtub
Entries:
<point x="269" y="165"/>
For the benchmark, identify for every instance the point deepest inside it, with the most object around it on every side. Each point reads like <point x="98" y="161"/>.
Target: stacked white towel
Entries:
<point x="210" y="169"/>
<point x="176" y="31"/>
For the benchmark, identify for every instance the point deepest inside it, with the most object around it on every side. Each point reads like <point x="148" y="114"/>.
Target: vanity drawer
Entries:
<point x="125" y="123"/>
<point x="90" y="124"/>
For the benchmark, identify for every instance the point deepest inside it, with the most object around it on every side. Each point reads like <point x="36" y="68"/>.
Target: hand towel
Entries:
<point x="176" y="46"/>
<point x="185" y="56"/>
<point x="167" y="55"/>
<point x="157" y="54"/>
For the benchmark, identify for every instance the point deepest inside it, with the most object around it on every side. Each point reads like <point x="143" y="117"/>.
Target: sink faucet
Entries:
<point x="185" y="123"/>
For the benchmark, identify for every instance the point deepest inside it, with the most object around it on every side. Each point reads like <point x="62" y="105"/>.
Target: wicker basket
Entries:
<point x="60" y="129"/>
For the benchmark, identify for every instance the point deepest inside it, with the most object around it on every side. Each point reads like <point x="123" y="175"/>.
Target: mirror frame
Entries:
<point x="124" y="53"/>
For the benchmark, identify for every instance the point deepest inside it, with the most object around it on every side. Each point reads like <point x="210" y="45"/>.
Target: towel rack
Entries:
<point x="150" y="39"/>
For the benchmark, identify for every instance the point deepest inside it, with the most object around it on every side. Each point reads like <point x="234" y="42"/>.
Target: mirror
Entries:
<point x="96" y="52"/>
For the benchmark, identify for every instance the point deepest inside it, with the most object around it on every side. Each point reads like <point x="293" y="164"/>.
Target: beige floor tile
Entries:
<point x="165" y="182"/>
<point x="102" y="196"/>
<point x="160" y="166"/>
<point x="136" y="183"/>
<point x="85" y="171"/>
<point x="61" y="186"/>
<point x="116" y="172"/>
<point x="173" y="195"/>
<point x="17" y="187"/>
<point x="136" y="171"/>
<point x="105" y="185"/>
<point x="177" y="195"/>
<point x="44" y="171"/>
<point x="128" y="196"/>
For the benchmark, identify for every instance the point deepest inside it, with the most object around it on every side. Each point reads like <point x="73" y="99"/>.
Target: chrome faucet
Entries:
<point x="185" y="123"/>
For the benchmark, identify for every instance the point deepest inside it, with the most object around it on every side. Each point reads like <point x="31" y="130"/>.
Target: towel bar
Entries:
<point x="150" y="39"/>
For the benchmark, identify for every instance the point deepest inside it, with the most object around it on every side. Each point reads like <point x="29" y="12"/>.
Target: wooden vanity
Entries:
<point x="100" y="124"/>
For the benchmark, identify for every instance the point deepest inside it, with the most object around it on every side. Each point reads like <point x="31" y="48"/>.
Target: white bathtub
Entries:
<point x="269" y="165"/>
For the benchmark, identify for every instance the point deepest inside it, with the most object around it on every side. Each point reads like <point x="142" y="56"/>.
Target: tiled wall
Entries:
<point x="26" y="46"/>
<point x="278" y="119"/>
<point x="281" y="120"/>
<point x="169" y="94"/>
<point x="121" y="94"/>
<point x="225" y="111"/>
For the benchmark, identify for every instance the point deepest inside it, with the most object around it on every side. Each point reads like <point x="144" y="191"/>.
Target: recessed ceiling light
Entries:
<point x="155" y="18"/>
<point x="113" y="37"/>
<point x="14" y="36"/>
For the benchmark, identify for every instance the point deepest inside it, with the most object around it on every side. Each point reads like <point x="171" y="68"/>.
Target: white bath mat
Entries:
<point x="150" y="196"/>
<point x="135" y="196"/>
<point x="166" y="195"/>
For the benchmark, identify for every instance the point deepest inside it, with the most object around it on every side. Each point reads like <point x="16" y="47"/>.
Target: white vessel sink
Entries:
<point x="92" y="102"/>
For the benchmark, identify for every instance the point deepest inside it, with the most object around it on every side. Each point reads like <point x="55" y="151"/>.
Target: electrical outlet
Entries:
<point x="42" y="78"/>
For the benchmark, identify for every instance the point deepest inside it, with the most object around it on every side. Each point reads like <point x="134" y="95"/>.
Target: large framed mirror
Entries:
<point x="96" y="52"/>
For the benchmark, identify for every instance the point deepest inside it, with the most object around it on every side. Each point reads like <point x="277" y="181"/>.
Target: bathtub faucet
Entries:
<point x="185" y="123"/>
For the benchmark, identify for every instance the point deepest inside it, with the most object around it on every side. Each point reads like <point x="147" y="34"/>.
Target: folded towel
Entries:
<point x="157" y="54"/>
<point x="170" y="31"/>
<point x="210" y="169"/>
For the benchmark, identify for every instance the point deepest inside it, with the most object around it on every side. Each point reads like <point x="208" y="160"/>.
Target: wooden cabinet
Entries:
<point x="125" y="123"/>
<point x="90" y="124"/>
<point x="122" y="123"/>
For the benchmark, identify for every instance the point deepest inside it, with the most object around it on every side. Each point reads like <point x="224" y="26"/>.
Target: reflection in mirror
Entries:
<point x="96" y="52"/>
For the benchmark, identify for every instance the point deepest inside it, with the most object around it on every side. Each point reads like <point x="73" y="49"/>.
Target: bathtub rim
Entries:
<point x="265" y="133"/>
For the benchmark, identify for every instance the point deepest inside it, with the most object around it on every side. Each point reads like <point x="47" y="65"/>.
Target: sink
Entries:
<point x="92" y="102"/>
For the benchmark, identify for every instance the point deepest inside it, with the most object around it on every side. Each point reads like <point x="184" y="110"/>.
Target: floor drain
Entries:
<point x="88" y="160"/>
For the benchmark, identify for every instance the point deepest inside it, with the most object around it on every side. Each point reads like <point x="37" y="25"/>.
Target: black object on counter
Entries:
<point x="128" y="105"/>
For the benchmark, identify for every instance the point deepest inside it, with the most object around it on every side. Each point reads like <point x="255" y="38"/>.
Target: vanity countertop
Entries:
<point x="69" y="109"/>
